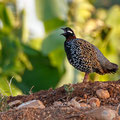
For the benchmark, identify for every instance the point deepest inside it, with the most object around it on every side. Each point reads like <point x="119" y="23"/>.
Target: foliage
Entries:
<point x="21" y="61"/>
<point x="41" y="62"/>
<point x="3" y="103"/>
<point x="69" y="89"/>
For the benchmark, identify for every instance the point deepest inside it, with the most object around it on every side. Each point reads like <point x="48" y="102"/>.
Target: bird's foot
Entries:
<point x="86" y="78"/>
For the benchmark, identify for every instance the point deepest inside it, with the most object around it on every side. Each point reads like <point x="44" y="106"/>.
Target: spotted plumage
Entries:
<point x="84" y="56"/>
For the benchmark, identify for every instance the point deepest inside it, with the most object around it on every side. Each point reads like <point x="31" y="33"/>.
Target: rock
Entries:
<point x="78" y="105"/>
<point x="118" y="118"/>
<point x="15" y="103"/>
<point x="118" y="109"/>
<point x="103" y="93"/>
<point x="57" y="103"/>
<point x="94" y="102"/>
<point x="103" y="113"/>
<point x="85" y="96"/>
<point x="84" y="106"/>
<point x="103" y="85"/>
<point x="108" y="114"/>
<point x="32" y="104"/>
<point x="74" y="103"/>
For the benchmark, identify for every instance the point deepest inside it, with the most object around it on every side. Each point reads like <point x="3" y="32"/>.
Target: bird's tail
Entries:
<point x="111" y="68"/>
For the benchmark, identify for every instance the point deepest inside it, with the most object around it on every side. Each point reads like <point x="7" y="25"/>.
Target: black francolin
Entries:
<point x="84" y="56"/>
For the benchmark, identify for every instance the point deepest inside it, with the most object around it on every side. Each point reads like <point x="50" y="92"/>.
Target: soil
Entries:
<point x="81" y="92"/>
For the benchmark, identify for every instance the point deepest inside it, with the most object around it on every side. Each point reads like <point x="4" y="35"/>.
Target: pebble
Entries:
<point x="118" y="109"/>
<point x="103" y="113"/>
<point x="78" y="105"/>
<point x="32" y="104"/>
<point x="85" y="96"/>
<point x="108" y="114"/>
<point x="118" y="118"/>
<point x="57" y="103"/>
<point x="84" y="106"/>
<point x="104" y="94"/>
<point x="15" y="103"/>
<point x="94" y="102"/>
<point x="74" y="103"/>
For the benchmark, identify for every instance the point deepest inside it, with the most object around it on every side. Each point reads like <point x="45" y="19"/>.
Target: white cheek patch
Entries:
<point x="69" y="31"/>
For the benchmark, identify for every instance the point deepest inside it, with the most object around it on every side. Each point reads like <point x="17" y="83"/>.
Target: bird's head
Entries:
<point x="68" y="33"/>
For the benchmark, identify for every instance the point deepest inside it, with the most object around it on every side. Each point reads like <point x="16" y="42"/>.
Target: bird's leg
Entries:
<point x="86" y="77"/>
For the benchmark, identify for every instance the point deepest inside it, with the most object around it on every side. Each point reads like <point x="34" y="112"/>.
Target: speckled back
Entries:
<point x="82" y="55"/>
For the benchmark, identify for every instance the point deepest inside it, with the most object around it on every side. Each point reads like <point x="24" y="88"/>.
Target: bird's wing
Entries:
<point x="106" y="65"/>
<point x="89" y="55"/>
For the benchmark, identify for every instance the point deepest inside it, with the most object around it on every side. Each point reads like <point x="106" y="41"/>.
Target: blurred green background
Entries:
<point x="32" y="53"/>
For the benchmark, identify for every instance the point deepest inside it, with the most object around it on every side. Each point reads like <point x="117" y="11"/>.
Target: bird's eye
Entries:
<point x="69" y="31"/>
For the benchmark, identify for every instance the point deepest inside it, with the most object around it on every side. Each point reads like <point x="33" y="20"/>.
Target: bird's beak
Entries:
<point x="64" y="32"/>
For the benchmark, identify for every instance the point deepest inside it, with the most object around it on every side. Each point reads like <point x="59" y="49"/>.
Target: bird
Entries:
<point x="84" y="56"/>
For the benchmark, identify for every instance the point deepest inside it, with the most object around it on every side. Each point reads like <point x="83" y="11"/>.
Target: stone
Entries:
<point x="84" y="106"/>
<point x="74" y="103"/>
<point x="104" y="94"/>
<point x="15" y="103"/>
<point x="94" y="102"/>
<point x="118" y="118"/>
<point x="57" y="103"/>
<point x="32" y="104"/>
<point x="118" y="109"/>
<point x="103" y="113"/>
<point x="78" y="105"/>
<point x="108" y="114"/>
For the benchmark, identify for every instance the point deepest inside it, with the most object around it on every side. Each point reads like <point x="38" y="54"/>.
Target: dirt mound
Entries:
<point x="78" y="101"/>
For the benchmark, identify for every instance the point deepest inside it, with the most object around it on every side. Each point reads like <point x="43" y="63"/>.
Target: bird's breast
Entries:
<point x="74" y="55"/>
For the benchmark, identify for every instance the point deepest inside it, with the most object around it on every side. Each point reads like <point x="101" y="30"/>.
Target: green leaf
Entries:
<point x="52" y="12"/>
<point x="57" y="59"/>
<point x="42" y="76"/>
<point x="6" y="16"/>
<point x="113" y="18"/>
<point x="49" y="9"/>
<point x="5" y="87"/>
<point x="29" y="51"/>
<point x="52" y="42"/>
